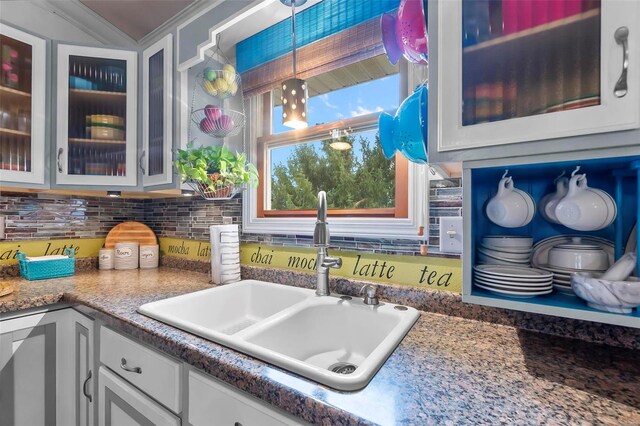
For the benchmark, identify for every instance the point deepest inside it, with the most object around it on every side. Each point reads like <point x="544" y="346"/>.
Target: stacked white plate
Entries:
<point x="505" y="250"/>
<point x="513" y="281"/>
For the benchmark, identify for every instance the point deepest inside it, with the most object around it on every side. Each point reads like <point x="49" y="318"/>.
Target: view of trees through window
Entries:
<point x="358" y="178"/>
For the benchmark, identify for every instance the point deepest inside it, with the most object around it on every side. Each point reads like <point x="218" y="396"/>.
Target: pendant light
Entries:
<point x="294" y="90"/>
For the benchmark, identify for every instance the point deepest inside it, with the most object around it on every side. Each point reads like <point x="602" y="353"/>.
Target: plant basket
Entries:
<point x="222" y="192"/>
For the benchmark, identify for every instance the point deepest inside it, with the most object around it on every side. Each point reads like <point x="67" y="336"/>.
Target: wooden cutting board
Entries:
<point x="129" y="232"/>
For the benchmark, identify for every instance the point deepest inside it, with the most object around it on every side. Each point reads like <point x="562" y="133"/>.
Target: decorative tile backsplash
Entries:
<point x="48" y="216"/>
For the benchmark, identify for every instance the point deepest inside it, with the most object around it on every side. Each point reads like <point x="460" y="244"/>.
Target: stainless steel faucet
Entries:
<point x="321" y="240"/>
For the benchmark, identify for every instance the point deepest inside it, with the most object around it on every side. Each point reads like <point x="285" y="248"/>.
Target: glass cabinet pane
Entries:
<point x="15" y="104"/>
<point x="527" y="57"/>
<point x="156" y="114"/>
<point x="97" y="116"/>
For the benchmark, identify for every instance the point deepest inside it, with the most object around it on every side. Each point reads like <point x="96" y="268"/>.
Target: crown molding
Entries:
<point x="194" y="9"/>
<point x="85" y="19"/>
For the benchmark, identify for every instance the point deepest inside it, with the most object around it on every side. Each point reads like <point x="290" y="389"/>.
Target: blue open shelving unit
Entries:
<point x="619" y="176"/>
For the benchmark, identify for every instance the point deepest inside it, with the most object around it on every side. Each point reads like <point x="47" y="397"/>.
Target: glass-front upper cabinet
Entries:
<point x="22" y="107"/>
<point x="527" y="70"/>
<point x="96" y="112"/>
<point x="157" y="114"/>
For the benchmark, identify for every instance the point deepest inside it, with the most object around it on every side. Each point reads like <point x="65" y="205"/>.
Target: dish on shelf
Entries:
<point x="619" y="297"/>
<point x="579" y="257"/>
<point x="515" y="293"/>
<point x="507" y="242"/>
<point x="505" y="255"/>
<point x="585" y="208"/>
<point x="540" y="255"/>
<point x="519" y="273"/>
<point x="570" y="104"/>
<point x="564" y="289"/>
<point x="106" y="133"/>
<point x="521" y="285"/>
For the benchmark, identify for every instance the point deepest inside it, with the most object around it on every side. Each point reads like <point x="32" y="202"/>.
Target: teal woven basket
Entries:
<point x="44" y="269"/>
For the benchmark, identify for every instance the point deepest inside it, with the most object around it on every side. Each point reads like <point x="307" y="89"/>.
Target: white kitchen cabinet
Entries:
<point x="22" y="107"/>
<point x="157" y="113"/>
<point x="516" y="72"/>
<point x="83" y="369"/>
<point x="123" y="405"/>
<point x="33" y="360"/>
<point x="96" y="117"/>
<point x="213" y="403"/>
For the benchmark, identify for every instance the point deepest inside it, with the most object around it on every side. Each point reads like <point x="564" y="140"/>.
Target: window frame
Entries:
<point x="407" y="219"/>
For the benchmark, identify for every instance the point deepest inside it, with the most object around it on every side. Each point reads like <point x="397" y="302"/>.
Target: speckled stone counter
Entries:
<point x="448" y="370"/>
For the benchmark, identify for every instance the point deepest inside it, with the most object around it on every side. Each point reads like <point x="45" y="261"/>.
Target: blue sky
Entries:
<point x="361" y="99"/>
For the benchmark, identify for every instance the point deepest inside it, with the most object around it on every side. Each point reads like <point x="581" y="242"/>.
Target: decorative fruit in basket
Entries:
<point x="212" y="112"/>
<point x="210" y="74"/>
<point x="210" y="88"/>
<point x="229" y="73"/>
<point x="221" y="86"/>
<point x="208" y="125"/>
<point x="225" y="122"/>
<point x="233" y="88"/>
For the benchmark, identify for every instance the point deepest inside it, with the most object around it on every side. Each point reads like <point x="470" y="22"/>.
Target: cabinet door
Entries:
<point x="525" y="70"/>
<point x="157" y="121"/>
<point x="96" y="129"/>
<point x="22" y="107"/>
<point x="123" y="405"/>
<point x="213" y="403"/>
<point x="30" y="368"/>
<point x="84" y="371"/>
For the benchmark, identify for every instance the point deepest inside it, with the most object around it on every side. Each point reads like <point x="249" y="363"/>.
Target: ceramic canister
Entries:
<point x="126" y="256"/>
<point x="149" y="257"/>
<point x="105" y="259"/>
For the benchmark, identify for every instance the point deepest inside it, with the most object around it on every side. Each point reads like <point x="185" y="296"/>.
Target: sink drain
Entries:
<point x="343" y="368"/>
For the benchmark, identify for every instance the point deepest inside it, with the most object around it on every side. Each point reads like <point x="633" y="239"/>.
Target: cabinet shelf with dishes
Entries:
<point x="559" y="257"/>
<point x="96" y="138"/>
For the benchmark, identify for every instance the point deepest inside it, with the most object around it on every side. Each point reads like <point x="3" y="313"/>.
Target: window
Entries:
<point x="359" y="181"/>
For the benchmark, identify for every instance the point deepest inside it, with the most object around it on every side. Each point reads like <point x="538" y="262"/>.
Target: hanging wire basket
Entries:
<point x="218" y="122"/>
<point x="221" y="84"/>
<point x="224" y="192"/>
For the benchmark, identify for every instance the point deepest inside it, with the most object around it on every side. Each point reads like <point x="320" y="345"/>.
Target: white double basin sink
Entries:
<point x="337" y="341"/>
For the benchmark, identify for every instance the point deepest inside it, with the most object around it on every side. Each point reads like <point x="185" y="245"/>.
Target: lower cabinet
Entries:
<point x="214" y="403"/>
<point x="49" y="375"/>
<point x="83" y="371"/>
<point x="123" y="405"/>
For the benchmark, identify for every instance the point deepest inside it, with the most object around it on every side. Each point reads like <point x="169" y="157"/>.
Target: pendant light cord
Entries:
<point x="293" y="34"/>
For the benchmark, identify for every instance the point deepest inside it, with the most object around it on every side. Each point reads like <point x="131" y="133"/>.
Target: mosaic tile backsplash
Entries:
<point x="48" y="216"/>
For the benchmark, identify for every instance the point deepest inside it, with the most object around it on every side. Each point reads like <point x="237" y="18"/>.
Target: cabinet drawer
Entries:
<point x="213" y="403"/>
<point x="122" y="404"/>
<point x="152" y="372"/>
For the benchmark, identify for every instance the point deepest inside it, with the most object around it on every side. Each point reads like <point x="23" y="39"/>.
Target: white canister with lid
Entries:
<point x="126" y="256"/>
<point x="149" y="257"/>
<point x="105" y="259"/>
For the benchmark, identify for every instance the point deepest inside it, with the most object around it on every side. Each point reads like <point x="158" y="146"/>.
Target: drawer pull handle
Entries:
<point x="125" y="367"/>
<point x="622" y="38"/>
<point x="84" y="387"/>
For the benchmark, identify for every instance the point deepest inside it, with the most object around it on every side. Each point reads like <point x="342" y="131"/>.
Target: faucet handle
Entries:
<point x="369" y="291"/>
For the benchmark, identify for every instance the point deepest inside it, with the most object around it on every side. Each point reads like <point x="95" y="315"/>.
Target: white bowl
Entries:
<point x="577" y="256"/>
<point x="491" y="260"/>
<point x="502" y="242"/>
<point x="612" y="296"/>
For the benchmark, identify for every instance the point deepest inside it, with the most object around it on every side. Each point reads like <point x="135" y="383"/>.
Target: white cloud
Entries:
<point x="360" y="110"/>
<point x="325" y="99"/>
<point x="339" y="115"/>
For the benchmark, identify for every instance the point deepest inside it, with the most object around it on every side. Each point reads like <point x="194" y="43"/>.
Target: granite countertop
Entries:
<point x="447" y="370"/>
